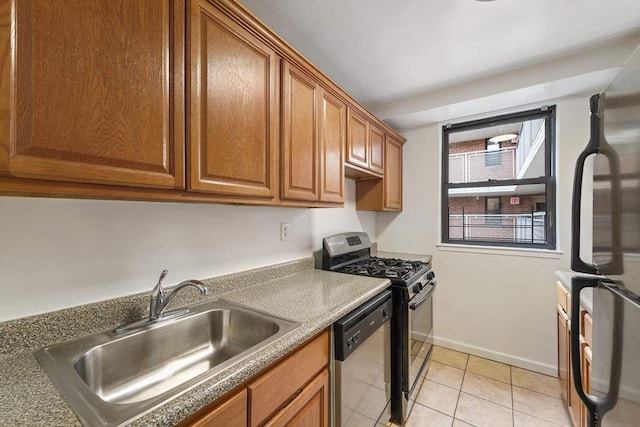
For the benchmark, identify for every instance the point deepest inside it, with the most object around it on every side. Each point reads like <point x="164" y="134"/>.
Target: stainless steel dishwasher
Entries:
<point x="363" y="364"/>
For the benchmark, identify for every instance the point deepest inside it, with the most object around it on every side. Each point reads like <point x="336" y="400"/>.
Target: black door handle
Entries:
<point x="577" y="264"/>
<point x="596" y="406"/>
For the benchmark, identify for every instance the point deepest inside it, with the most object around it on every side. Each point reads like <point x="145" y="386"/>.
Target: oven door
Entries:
<point x="420" y="342"/>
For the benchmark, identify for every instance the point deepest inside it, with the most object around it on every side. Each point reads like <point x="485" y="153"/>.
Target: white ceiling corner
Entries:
<point x="414" y="62"/>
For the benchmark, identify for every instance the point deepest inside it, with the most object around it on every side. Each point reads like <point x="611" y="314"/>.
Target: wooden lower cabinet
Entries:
<point x="586" y="378"/>
<point x="309" y="408"/>
<point x="563" y="351"/>
<point x="230" y="413"/>
<point x="577" y="409"/>
<point x="293" y="392"/>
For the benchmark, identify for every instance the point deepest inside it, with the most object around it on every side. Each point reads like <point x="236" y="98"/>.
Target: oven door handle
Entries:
<point x="423" y="295"/>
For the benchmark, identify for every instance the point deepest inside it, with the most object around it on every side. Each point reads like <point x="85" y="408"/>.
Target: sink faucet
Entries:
<point x="160" y="300"/>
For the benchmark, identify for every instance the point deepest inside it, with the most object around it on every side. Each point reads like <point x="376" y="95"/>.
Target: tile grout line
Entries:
<point x="510" y="383"/>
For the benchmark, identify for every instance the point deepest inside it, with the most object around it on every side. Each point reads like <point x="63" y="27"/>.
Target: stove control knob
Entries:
<point x="356" y="338"/>
<point x="385" y="313"/>
<point x="417" y="287"/>
<point x="349" y="343"/>
<point x="431" y="275"/>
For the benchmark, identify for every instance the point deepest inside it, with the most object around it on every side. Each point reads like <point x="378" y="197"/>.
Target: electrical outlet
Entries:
<point x="284" y="231"/>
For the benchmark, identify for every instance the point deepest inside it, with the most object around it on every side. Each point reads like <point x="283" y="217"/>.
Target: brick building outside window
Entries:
<point x="498" y="184"/>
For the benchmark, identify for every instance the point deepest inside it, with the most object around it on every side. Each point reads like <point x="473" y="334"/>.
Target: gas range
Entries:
<point x="412" y="285"/>
<point x="350" y="253"/>
<point x="391" y="268"/>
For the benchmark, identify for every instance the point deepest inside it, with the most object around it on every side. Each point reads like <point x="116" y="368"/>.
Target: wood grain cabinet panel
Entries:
<point x="333" y="113"/>
<point x="357" y="139"/>
<point x="309" y="409"/>
<point x="393" y="175"/>
<point x="230" y="413"/>
<point x="270" y="392"/>
<point x="233" y="116"/>
<point x="299" y="135"/>
<point x="563" y="351"/>
<point x="376" y="149"/>
<point x="96" y="92"/>
<point x="383" y="194"/>
<point x="313" y="134"/>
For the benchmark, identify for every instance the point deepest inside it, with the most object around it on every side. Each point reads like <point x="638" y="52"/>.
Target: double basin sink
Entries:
<point x="109" y="378"/>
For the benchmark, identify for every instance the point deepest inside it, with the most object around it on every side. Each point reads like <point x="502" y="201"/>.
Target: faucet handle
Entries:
<point x="157" y="289"/>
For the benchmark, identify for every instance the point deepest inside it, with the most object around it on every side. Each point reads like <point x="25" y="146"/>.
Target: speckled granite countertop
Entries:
<point x="586" y="296"/>
<point x="294" y="290"/>
<point x="400" y="255"/>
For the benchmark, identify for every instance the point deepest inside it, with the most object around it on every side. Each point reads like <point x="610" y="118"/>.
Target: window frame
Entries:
<point x="549" y="179"/>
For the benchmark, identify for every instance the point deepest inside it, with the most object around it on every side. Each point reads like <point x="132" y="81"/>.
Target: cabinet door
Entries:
<point x="393" y="175"/>
<point x="233" y="117"/>
<point x="299" y="135"/>
<point x="574" y="402"/>
<point x="357" y="144"/>
<point x="97" y="92"/>
<point x="270" y="392"/>
<point x="333" y="114"/>
<point x="309" y="409"/>
<point x="563" y="351"/>
<point x="376" y="149"/>
<point x="586" y="379"/>
<point x="231" y="413"/>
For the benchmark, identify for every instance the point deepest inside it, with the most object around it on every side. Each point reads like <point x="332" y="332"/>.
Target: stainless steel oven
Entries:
<point x="412" y="286"/>
<point x="417" y="341"/>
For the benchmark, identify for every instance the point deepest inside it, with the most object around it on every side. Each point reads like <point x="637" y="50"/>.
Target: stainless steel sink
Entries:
<point x="109" y="379"/>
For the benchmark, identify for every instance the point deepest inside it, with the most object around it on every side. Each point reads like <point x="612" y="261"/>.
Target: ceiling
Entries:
<point x="391" y="54"/>
<point x="485" y="132"/>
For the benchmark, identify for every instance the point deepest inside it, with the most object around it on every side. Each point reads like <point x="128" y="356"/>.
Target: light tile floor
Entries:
<point x="462" y="390"/>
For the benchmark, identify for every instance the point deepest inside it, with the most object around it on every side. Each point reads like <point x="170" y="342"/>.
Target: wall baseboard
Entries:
<point x="520" y="362"/>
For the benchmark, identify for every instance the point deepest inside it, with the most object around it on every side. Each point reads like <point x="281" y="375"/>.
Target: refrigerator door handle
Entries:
<point x="596" y="406"/>
<point x="577" y="264"/>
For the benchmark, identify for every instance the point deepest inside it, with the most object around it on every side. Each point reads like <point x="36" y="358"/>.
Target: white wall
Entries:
<point x="57" y="253"/>
<point x="497" y="304"/>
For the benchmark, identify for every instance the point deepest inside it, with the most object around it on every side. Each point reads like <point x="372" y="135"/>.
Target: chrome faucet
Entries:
<point x="159" y="300"/>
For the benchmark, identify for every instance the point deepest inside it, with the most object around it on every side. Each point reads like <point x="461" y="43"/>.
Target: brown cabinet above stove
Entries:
<point x="383" y="194"/>
<point x="117" y="129"/>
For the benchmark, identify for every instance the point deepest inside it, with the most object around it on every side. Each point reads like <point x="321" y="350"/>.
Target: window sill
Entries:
<point x="495" y="250"/>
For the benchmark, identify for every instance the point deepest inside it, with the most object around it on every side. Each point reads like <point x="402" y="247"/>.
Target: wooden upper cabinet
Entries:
<point x="233" y="99"/>
<point x="313" y="133"/>
<point x="376" y="149"/>
<point x="299" y="164"/>
<point x="383" y="194"/>
<point x="95" y="92"/>
<point x="333" y="115"/>
<point x="393" y="174"/>
<point x="357" y="139"/>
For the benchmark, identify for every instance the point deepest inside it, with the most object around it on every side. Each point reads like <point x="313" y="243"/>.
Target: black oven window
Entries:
<point x="498" y="180"/>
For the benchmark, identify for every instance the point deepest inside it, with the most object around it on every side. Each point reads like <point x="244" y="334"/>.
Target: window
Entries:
<point x="492" y="155"/>
<point x="493" y="211"/>
<point x="498" y="180"/>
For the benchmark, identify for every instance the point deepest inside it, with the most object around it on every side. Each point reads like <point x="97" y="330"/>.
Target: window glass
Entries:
<point x="500" y="186"/>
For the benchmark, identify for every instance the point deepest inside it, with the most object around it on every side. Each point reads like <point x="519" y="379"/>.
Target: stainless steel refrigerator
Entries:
<point x="614" y="399"/>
